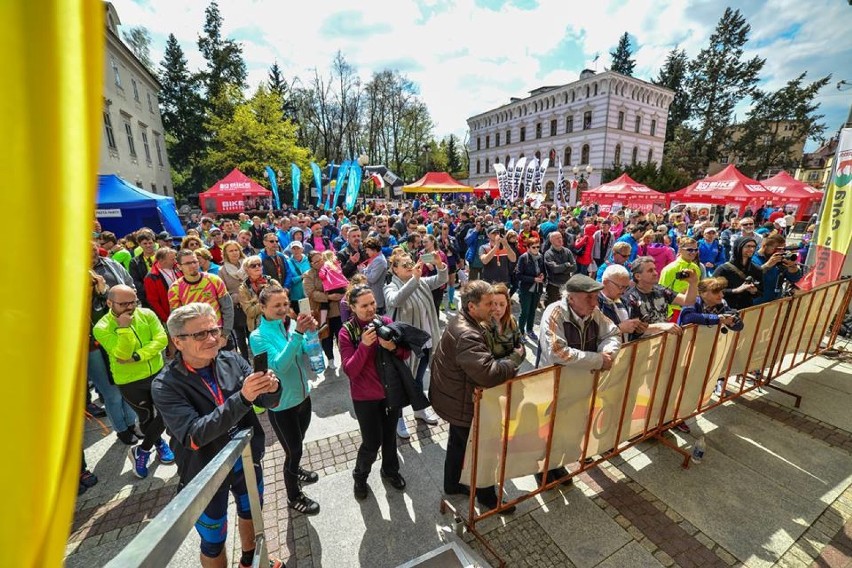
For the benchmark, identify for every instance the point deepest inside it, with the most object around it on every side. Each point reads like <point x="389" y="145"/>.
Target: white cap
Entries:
<point x="324" y="218"/>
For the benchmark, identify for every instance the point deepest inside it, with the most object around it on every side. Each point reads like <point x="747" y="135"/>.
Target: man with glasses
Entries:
<point x="205" y="396"/>
<point x="746" y="231"/>
<point x="619" y="255"/>
<point x="353" y="254"/>
<point x="649" y="301"/>
<point x="198" y="286"/>
<point x="672" y="275"/>
<point x="275" y="264"/>
<point x="386" y="240"/>
<point x="134" y="340"/>
<point x="616" y="281"/>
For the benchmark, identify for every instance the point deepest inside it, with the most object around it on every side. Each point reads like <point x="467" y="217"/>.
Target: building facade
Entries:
<point x="600" y="120"/>
<point x="133" y="144"/>
<point x="815" y="169"/>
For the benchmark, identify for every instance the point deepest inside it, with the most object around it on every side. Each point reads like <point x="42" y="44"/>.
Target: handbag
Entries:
<point x="323" y="332"/>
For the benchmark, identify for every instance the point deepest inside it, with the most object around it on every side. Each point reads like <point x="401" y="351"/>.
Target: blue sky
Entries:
<point x="467" y="56"/>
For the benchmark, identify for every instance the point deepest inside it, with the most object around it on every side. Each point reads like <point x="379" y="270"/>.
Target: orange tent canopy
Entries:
<point x="437" y="182"/>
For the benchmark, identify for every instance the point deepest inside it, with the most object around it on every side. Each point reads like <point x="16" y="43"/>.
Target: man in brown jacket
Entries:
<point x="461" y="363"/>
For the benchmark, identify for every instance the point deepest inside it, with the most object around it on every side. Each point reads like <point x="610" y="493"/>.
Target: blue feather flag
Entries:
<point x="270" y="173"/>
<point x="328" y="197"/>
<point x="296" y="179"/>
<point x="354" y="187"/>
<point x="342" y="172"/>
<point x="315" y="169"/>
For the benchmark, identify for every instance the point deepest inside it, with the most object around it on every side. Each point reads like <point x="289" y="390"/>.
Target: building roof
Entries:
<point x="817" y="159"/>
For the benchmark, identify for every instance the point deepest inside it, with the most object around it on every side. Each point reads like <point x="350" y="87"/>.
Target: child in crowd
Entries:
<point x="333" y="280"/>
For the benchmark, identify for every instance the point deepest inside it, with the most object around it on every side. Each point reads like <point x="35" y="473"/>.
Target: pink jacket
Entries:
<point x="332" y="279"/>
<point x="662" y="254"/>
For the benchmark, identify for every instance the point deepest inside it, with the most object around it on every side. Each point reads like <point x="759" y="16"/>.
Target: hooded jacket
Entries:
<point x="286" y="349"/>
<point x="587" y="243"/>
<point x="735" y="271"/>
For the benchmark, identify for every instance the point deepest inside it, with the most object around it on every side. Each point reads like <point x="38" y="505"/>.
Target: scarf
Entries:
<point x="234" y="271"/>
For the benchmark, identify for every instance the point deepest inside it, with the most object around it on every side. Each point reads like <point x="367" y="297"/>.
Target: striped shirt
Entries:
<point x="207" y="290"/>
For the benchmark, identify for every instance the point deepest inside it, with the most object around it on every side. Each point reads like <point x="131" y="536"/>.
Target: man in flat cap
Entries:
<point x="574" y="332"/>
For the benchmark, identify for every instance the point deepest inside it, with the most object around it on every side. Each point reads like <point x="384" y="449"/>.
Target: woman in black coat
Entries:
<point x="530" y="277"/>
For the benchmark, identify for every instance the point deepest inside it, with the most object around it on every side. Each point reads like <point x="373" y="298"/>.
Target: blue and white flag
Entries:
<point x="317" y="173"/>
<point x="342" y="172"/>
<point x="296" y="180"/>
<point x="354" y="185"/>
<point x="273" y="182"/>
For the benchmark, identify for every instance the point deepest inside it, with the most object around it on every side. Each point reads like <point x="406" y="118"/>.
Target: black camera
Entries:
<point x="382" y="330"/>
<point x="683" y="274"/>
<point x="791" y="252"/>
<point x="749" y="280"/>
<point x="735" y="323"/>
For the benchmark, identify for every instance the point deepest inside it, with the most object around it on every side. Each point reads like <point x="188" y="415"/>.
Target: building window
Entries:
<point x="617" y="159"/>
<point x="478" y="167"/>
<point x="497" y="160"/>
<point x="487" y="165"/>
<point x="145" y="145"/>
<point x="150" y="104"/>
<point x="537" y="130"/>
<point x="650" y="155"/>
<point x="135" y="89"/>
<point x="507" y="159"/>
<point x="573" y="96"/>
<point x="497" y="140"/>
<point x="584" y="154"/>
<point x="523" y="133"/>
<point x="159" y="149"/>
<point x="635" y="155"/>
<point x="478" y="143"/>
<point x="621" y="120"/>
<point x="487" y="143"/>
<point x="587" y="120"/>
<point x="110" y="135"/>
<point x="508" y="137"/>
<point x="569" y="124"/>
<point x="653" y="128"/>
<point x="567" y="156"/>
<point x="130" y="144"/>
<point x="115" y="74"/>
<point x="587" y="91"/>
<point x="165" y="190"/>
<point x="154" y="187"/>
<point x="553" y="128"/>
<point x="638" y="124"/>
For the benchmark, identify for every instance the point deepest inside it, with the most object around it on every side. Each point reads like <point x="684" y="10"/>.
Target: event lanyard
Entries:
<point x="212" y="386"/>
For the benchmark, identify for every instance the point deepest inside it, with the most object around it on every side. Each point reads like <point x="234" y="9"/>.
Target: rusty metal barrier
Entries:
<point x="674" y="374"/>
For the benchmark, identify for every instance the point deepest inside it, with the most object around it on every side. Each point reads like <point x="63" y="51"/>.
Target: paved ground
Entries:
<point x="774" y="489"/>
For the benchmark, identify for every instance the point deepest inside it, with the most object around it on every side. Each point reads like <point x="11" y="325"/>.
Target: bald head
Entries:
<point x="120" y="290"/>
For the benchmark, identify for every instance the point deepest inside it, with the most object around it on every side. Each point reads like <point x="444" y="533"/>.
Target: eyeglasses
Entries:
<point x="254" y="265"/>
<point x="691" y="249"/>
<point x="619" y="286"/>
<point x="189" y="263"/>
<point x="408" y="264"/>
<point x="128" y="304"/>
<point x="204" y="334"/>
<point x="534" y="246"/>
<point x="271" y="241"/>
<point x="746" y="224"/>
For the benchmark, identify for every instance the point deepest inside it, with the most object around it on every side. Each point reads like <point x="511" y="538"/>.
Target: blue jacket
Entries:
<point x="711" y="252"/>
<point x="634" y="246"/>
<point x="699" y="314"/>
<point x="297" y="271"/>
<point x="772" y="279"/>
<point x="285" y="349"/>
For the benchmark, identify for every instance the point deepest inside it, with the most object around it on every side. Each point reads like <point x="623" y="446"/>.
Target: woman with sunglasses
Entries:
<point x="687" y="259"/>
<point x="408" y="298"/>
<point x="531" y="281"/>
<point x="250" y="290"/>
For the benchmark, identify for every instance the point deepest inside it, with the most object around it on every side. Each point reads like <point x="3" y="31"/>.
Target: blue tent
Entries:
<point x="123" y="208"/>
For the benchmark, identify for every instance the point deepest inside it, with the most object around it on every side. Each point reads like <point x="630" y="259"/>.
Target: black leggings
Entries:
<point x="335" y="324"/>
<point x="138" y="396"/>
<point x="290" y="426"/>
<point x="378" y="431"/>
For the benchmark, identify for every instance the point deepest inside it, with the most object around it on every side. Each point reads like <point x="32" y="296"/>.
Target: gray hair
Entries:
<point x="615" y="270"/>
<point x="185" y="314"/>
<point x="248" y="260"/>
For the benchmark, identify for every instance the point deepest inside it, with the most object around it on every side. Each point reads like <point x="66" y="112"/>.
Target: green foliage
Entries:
<point x="673" y="76"/>
<point x="663" y="177"/>
<point x="224" y="57"/>
<point x="138" y="39"/>
<point x="621" y="60"/>
<point x="454" y="162"/>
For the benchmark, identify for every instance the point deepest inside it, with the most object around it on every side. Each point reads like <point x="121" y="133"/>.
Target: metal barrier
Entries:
<point x="654" y="384"/>
<point x="158" y="542"/>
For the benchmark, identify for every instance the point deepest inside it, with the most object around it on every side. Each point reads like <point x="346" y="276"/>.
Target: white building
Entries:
<point x="133" y="145"/>
<point x="597" y="121"/>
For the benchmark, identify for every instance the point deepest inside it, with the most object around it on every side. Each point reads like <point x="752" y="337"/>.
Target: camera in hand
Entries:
<point x="683" y="274"/>
<point x="735" y="323"/>
<point x="382" y="330"/>
<point x="791" y="252"/>
<point x="749" y="280"/>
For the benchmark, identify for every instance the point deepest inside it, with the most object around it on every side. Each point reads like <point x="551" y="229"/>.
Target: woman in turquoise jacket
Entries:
<point x="283" y="340"/>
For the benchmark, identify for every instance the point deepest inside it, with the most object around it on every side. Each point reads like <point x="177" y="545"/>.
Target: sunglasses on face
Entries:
<point x="254" y="265"/>
<point x="405" y="265"/>
<point x="691" y="249"/>
<point x="204" y="334"/>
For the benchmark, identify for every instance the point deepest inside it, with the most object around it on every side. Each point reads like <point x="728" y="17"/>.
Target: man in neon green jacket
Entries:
<point x="134" y="339"/>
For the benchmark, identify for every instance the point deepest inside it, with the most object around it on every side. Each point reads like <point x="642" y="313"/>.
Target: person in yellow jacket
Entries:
<point x="134" y="340"/>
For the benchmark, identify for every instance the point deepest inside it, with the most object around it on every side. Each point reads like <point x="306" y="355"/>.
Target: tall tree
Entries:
<point x="183" y="119"/>
<point x="278" y="84"/>
<point x="138" y="39"/>
<point x="778" y="123"/>
<point x="673" y="76"/>
<point x="718" y="79"/>
<point x="225" y="65"/>
<point x="454" y="163"/>
<point x="621" y="60"/>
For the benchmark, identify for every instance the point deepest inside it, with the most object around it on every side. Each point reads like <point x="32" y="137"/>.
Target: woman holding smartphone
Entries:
<point x="427" y="257"/>
<point x="282" y="339"/>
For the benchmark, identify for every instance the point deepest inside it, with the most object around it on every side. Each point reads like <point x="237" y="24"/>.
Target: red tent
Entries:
<point x="234" y="193"/>
<point x="678" y="196"/>
<point x="730" y="186"/>
<point x="490" y="186"/>
<point x="624" y="191"/>
<point x="793" y="195"/>
<point x="437" y="182"/>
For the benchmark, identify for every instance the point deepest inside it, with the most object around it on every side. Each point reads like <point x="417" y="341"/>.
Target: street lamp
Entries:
<point x="580" y="185"/>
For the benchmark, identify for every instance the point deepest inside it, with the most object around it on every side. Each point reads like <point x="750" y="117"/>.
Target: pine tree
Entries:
<point x="621" y="61"/>
<point x="454" y="165"/>
<point x="278" y="84"/>
<point x="718" y="80"/>
<point x="225" y="65"/>
<point x="138" y="39"/>
<point x="183" y="118"/>
<point x="672" y="76"/>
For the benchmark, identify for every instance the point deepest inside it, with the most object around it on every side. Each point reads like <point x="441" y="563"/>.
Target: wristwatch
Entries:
<point x="136" y="356"/>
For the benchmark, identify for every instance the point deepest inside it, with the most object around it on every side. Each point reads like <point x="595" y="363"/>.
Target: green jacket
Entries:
<point x="145" y="337"/>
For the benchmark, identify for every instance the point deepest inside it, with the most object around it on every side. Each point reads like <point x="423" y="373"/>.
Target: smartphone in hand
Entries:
<point x="261" y="362"/>
<point x="428" y="258"/>
<point x="304" y="306"/>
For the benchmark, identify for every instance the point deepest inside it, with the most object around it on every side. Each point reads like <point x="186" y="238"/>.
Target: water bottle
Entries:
<point x="314" y="350"/>
<point x="698" y="450"/>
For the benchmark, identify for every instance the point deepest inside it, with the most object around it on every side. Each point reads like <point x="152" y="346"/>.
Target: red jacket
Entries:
<point x="157" y="291"/>
<point x="588" y="239"/>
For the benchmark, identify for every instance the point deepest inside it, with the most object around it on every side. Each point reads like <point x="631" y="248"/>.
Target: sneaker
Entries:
<point x="532" y="335"/>
<point x="451" y="306"/>
<point x="718" y="390"/>
<point x="139" y="458"/>
<point x="396" y="480"/>
<point x="127" y="436"/>
<point x="164" y="452"/>
<point x="88" y="479"/>
<point x="361" y="489"/>
<point x="426" y="415"/>
<point x="304" y="505"/>
<point x="491" y="503"/>
<point x="402" y="429"/>
<point x="306" y="476"/>
<point x="273" y="563"/>
<point x="682" y="427"/>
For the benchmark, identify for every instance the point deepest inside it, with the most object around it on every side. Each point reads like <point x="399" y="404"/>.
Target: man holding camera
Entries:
<point x="496" y="256"/>
<point x="649" y="301"/>
<point x="777" y="264"/>
<point x="745" y="279"/>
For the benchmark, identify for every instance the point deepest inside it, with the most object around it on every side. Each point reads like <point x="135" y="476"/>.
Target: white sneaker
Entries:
<point x="426" y="415"/>
<point x="402" y="430"/>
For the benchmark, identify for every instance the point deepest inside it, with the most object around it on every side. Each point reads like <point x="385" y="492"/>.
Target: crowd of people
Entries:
<point x="398" y="292"/>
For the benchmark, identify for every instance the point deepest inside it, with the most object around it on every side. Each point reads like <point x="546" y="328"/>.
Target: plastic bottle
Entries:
<point x="698" y="450"/>
<point x="314" y="350"/>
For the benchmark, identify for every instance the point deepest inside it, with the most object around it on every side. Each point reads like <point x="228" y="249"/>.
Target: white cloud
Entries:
<point x="467" y="58"/>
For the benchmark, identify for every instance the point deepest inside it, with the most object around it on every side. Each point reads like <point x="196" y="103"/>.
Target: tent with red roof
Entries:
<point x="437" y="182"/>
<point x="489" y="186"/>
<point x="234" y="193"/>
<point x="624" y="191"/>
<point x="730" y="186"/>
<point x="793" y="195"/>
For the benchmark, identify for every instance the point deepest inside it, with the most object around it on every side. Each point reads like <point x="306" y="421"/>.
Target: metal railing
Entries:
<point x="164" y="535"/>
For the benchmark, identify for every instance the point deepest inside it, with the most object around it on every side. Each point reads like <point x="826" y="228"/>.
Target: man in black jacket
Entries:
<point x="141" y="264"/>
<point x="205" y="397"/>
<point x="353" y="254"/>
<point x="560" y="265"/>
